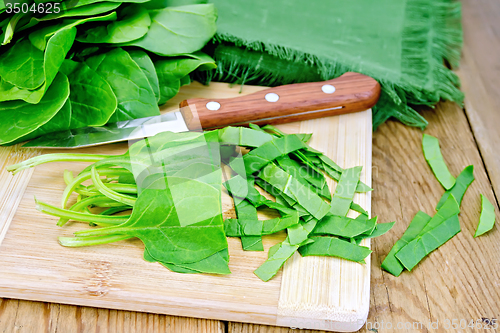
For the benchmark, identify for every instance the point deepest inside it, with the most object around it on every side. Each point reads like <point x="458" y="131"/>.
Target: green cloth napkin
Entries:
<point x="400" y="43"/>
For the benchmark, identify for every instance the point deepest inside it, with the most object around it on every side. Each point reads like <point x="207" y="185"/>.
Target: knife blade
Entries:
<point x="350" y="92"/>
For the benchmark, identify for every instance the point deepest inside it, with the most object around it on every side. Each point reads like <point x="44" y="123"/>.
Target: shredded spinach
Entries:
<point x="391" y="263"/>
<point x="413" y="252"/>
<point x="433" y="156"/>
<point x="162" y="178"/>
<point x="487" y="217"/>
<point x="464" y="179"/>
<point x="425" y="234"/>
<point x="344" y="193"/>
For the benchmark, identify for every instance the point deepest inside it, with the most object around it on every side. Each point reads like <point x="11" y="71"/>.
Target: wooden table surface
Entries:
<point x="460" y="280"/>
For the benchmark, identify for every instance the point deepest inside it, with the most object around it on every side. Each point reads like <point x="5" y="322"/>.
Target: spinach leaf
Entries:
<point x="277" y="256"/>
<point x="170" y="232"/>
<point x="315" y="181"/>
<point x="295" y="190"/>
<point x="357" y="208"/>
<point x="434" y="158"/>
<point x="22" y="65"/>
<point x="20" y="118"/>
<point x="242" y="136"/>
<point x="343" y="226"/>
<point x="170" y="71"/>
<point x="269" y="151"/>
<point x="328" y="161"/>
<point x="487" y="217"/>
<point x="440" y="228"/>
<point x="463" y="181"/>
<point x="88" y="2"/>
<point x="91" y="97"/>
<point x="344" y="193"/>
<point x="133" y="23"/>
<point x="142" y="59"/>
<point x="60" y="122"/>
<point x="362" y="187"/>
<point x="133" y="92"/>
<point x="298" y="234"/>
<point x="247" y="214"/>
<point x="39" y="37"/>
<point x="390" y="263"/>
<point x="239" y="228"/>
<point x="240" y="188"/>
<point x="9" y="27"/>
<point x="57" y="48"/>
<point x="178" y="30"/>
<point x="335" y="247"/>
<point x="214" y="264"/>
<point x="417" y="249"/>
<point x="449" y="208"/>
<point x="78" y="10"/>
<point x="379" y="230"/>
<point x="159" y="4"/>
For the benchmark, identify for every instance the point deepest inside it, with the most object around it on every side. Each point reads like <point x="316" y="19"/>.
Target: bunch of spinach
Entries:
<point x="160" y="179"/>
<point x="92" y="61"/>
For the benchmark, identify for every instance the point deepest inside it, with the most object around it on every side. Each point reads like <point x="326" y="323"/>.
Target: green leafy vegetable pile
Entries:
<point x="425" y="233"/>
<point x="90" y="62"/>
<point x="172" y="185"/>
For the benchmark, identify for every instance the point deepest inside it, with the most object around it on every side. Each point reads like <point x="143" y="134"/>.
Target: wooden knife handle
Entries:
<point x="350" y="92"/>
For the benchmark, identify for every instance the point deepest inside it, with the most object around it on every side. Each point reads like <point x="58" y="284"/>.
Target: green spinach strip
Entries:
<point x="391" y="263"/>
<point x="487" y="217"/>
<point x="433" y="156"/>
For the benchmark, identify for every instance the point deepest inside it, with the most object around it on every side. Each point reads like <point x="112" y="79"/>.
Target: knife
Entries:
<point x="350" y="92"/>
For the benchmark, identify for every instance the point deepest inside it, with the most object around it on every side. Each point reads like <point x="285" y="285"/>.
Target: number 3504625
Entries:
<point x="35" y="8"/>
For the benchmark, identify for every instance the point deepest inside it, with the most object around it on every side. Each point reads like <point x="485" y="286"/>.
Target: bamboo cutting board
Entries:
<point x="312" y="292"/>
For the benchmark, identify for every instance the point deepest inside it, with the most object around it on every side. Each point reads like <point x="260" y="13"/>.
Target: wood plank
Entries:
<point x="37" y="317"/>
<point x="480" y="75"/>
<point x="459" y="280"/>
<point x="107" y="276"/>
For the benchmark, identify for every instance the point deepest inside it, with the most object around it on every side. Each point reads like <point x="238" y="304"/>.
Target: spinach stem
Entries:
<point x="85" y="176"/>
<point x="101" y="220"/>
<point x="42" y="159"/>
<point x="100" y="200"/>
<point x="89" y="241"/>
<point x="113" y="195"/>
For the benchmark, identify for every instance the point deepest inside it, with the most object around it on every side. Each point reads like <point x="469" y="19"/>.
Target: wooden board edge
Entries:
<point x="266" y="317"/>
<point x="170" y="309"/>
<point x="12" y="188"/>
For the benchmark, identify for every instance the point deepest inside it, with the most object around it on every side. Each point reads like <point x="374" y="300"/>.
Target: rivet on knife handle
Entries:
<point x="350" y="92"/>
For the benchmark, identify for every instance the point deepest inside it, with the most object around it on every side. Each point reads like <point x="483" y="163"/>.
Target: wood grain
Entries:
<point x="465" y="287"/>
<point x="29" y="317"/>
<point x="353" y="92"/>
<point x="12" y="188"/>
<point x="36" y="267"/>
<point x="461" y="279"/>
<point x="330" y="292"/>
<point x="480" y="75"/>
